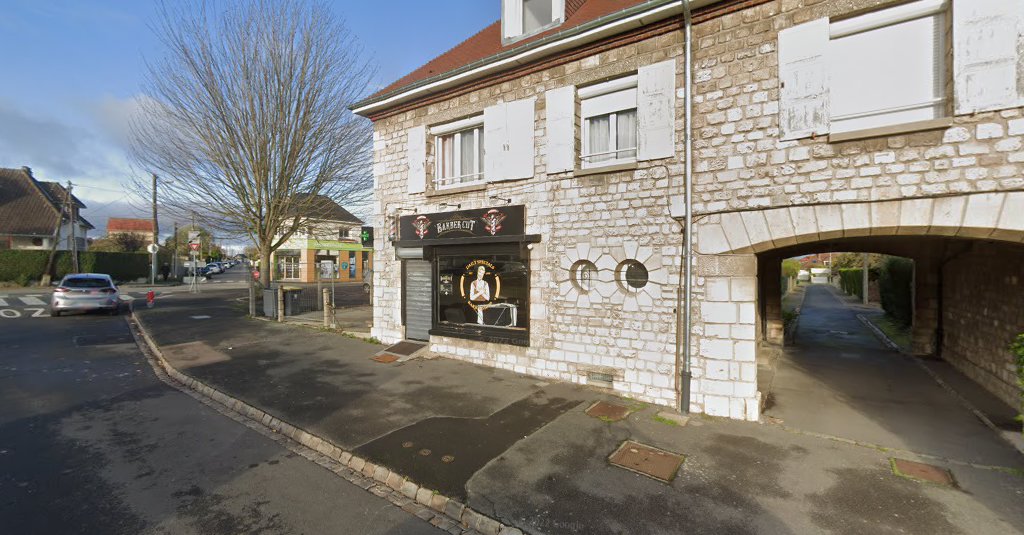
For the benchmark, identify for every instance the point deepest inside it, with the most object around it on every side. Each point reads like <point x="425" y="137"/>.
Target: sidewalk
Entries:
<point x="525" y="453"/>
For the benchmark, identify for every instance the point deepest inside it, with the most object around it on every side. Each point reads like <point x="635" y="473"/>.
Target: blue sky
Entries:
<point x="71" y="69"/>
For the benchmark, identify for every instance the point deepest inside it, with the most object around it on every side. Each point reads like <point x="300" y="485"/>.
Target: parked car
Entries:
<point x="85" y="291"/>
<point x="212" y="267"/>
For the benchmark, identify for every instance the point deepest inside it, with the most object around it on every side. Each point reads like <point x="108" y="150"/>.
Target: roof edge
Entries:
<point x="662" y="7"/>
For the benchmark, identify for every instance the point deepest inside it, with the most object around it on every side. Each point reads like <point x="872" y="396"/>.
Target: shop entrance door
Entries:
<point x="418" y="307"/>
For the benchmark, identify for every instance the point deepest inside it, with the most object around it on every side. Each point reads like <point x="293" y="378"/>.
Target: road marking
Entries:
<point x="200" y="317"/>
<point x="32" y="300"/>
<point x="38" y="312"/>
<point x="9" y="313"/>
<point x="3" y="302"/>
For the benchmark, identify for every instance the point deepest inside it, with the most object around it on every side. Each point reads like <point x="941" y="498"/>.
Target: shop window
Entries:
<point x="609" y="122"/>
<point x="458" y="153"/>
<point x="631" y="275"/>
<point x="290" y="267"/>
<point x="584" y="275"/>
<point x="483" y="290"/>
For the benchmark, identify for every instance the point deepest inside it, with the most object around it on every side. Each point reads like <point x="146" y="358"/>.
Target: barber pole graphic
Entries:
<point x="493" y="219"/>
<point x="422" y="226"/>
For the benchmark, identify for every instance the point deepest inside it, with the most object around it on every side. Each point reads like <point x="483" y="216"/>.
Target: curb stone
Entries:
<point x="435" y="508"/>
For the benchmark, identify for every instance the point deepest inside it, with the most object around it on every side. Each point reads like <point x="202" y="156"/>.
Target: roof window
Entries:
<point x="523" y="18"/>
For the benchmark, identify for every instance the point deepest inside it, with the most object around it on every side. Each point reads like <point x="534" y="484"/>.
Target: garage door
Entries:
<point x="417" y="299"/>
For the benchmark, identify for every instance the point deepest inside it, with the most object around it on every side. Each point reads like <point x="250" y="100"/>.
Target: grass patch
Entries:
<point x="896" y="331"/>
<point x="666" y="421"/>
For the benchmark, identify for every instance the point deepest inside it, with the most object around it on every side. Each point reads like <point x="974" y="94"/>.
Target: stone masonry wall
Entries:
<point x="983" y="310"/>
<point x="741" y="166"/>
<point x="606" y="218"/>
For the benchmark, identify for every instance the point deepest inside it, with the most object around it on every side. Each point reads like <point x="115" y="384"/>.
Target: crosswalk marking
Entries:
<point x="32" y="300"/>
<point x="3" y="302"/>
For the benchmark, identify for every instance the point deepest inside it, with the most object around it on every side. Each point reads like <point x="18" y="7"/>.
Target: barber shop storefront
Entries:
<point x="466" y="275"/>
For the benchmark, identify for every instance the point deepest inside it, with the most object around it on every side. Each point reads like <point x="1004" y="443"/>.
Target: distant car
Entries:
<point x="85" y="291"/>
<point x="213" y="267"/>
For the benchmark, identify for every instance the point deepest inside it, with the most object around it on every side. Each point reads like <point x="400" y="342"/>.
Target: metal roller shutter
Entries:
<point x="418" y="309"/>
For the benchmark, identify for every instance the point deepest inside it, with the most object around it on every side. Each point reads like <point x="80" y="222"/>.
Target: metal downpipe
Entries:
<point x="686" y="283"/>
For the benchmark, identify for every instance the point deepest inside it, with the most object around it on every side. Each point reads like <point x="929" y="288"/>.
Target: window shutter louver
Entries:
<point x="988" y="67"/>
<point x="803" y="77"/>
<point x="416" y="151"/>
<point x="656" y="87"/>
<point x="495" y="134"/>
<point x="560" y="109"/>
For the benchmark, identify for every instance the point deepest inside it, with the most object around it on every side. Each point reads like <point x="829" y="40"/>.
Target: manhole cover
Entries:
<point x="922" y="472"/>
<point x="607" y="411"/>
<point x="103" y="339"/>
<point x="405" y="348"/>
<point x="386" y="358"/>
<point x="647" y="460"/>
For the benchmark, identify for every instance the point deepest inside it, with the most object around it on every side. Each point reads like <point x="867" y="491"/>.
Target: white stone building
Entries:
<point x="566" y="125"/>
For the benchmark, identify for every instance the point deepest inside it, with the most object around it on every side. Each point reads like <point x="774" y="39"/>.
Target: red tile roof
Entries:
<point x="124" y="224"/>
<point x="487" y="42"/>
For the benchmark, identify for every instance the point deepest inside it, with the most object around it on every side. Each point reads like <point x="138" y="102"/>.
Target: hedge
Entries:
<point x="895" y="286"/>
<point x="24" y="266"/>
<point x="851" y="280"/>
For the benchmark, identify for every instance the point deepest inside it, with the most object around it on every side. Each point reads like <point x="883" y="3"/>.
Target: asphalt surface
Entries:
<point x="840" y="380"/>
<point x="523" y="451"/>
<point x="92" y="442"/>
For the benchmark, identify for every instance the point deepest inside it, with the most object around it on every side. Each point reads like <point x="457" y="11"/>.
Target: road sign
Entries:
<point x="193" y="246"/>
<point x="152" y="248"/>
<point x="193" y="235"/>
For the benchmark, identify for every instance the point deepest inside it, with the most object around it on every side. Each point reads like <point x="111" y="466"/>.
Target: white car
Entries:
<point x="85" y="291"/>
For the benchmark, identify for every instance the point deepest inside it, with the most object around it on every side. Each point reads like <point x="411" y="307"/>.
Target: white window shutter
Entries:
<point x="508" y="140"/>
<point x="416" y="151"/>
<point x="495" y="137"/>
<point x="655" y="110"/>
<point x="988" y="54"/>
<point x="520" y="141"/>
<point x="560" y="109"/>
<point x="511" y="18"/>
<point x="803" y="76"/>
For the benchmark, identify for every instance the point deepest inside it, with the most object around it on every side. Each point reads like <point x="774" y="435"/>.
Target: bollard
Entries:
<point x="280" y="304"/>
<point x="328" y="310"/>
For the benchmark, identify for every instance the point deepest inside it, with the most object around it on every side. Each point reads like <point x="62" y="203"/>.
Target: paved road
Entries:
<point x="839" y="380"/>
<point x="92" y="442"/>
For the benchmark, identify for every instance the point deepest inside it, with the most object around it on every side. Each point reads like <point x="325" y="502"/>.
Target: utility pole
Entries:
<point x="174" y="252"/>
<point x="45" y="279"/>
<point x="156" y="233"/>
<point x="74" y="239"/>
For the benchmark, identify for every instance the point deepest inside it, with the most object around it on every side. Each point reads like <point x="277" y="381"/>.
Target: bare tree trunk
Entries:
<point x="265" y="267"/>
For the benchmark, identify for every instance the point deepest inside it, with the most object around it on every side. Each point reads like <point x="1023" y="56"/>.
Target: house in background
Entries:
<point x="29" y="211"/>
<point x="125" y="225"/>
<point x="328" y="248"/>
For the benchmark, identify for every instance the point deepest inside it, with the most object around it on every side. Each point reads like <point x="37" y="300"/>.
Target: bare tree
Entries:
<point x="247" y="114"/>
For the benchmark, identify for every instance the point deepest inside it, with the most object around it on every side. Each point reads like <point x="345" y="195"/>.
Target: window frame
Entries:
<point x="610" y="92"/>
<point x="517" y="24"/>
<point x="455" y="130"/>
<point x="889" y="117"/>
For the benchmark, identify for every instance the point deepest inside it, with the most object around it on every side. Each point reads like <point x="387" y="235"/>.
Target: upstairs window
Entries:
<point x="522" y="18"/>
<point x="888" y="67"/>
<point x="609" y="122"/>
<point x="459" y="153"/>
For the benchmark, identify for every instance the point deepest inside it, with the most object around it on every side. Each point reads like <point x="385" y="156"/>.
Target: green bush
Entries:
<point x="895" y="284"/>
<point x="24" y="266"/>
<point x="851" y="280"/>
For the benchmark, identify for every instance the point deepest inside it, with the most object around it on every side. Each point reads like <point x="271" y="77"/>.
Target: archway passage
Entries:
<point x="838" y="379"/>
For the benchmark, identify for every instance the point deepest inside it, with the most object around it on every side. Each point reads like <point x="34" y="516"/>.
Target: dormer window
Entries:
<point x="523" y="18"/>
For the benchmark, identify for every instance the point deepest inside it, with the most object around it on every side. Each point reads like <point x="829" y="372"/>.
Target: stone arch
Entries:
<point x="994" y="216"/>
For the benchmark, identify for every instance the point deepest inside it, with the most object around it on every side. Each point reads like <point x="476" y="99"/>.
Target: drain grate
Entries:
<point x="386" y="358"/>
<point x="647" y="460"/>
<point x="922" y="472"/>
<point x="607" y="411"/>
<point x="405" y="348"/>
